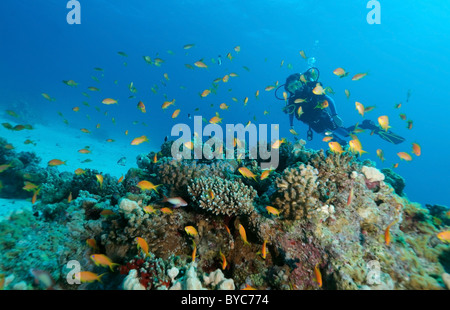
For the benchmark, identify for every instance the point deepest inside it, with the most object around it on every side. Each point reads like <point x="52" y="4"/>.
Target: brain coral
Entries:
<point x="222" y="196"/>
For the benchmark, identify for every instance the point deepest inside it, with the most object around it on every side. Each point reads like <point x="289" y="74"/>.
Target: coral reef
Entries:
<point x="340" y="219"/>
<point x="221" y="196"/>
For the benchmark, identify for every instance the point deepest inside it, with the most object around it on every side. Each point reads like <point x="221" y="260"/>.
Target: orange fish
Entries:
<point x="340" y="72"/>
<point x="318" y="275"/>
<point x="166" y="104"/>
<point x="350" y="196"/>
<point x="175" y="201"/>
<point x="76" y="109"/>
<point x="226" y="78"/>
<point x="355" y="146"/>
<point x="139" y="140"/>
<point x="327" y="139"/>
<point x="142" y="244"/>
<point x="264" y="250"/>
<point x="79" y="171"/>
<point x="359" y="76"/>
<point x="141" y="107"/>
<point x="175" y="113"/>
<point x="29" y="186"/>
<point x="257" y="94"/>
<point x="194" y="251"/>
<point x="223" y="106"/>
<point x="227" y="229"/>
<point x="103" y="260"/>
<point x="269" y="88"/>
<point x="56" y="162"/>
<point x="224" y="260"/>
<point x="335" y="147"/>
<point x="444" y="236"/>
<point x="272" y="210"/>
<point x="69" y="199"/>
<point x="360" y="108"/>
<point x="120" y="179"/>
<point x="318" y="90"/>
<point x="302" y="53"/>
<point x="155" y="159"/>
<point x="149" y="209"/>
<point x="99" y="179"/>
<point x="147" y="186"/>
<point x="189" y="145"/>
<point x="84" y="151"/>
<point x="278" y="143"/>
<point x="402" y="116"/>
<point x="347" y="93"/>
<point x="380" y="154"/>
<point x="410" y="124"/>
<point x="265" y="174"/>
<point x="405" y="156"/>
<point x="93" y="244"/>
<point x="109" y="101"/>
<point x="387" y="233"/>
<point x="200" y="64"/>
<point x="34" y="198"/>
<point x="247" y="173"/>
<point x="248" y="288"/>
<point x="191" y="231"/>
<point x="243" y="234"/>
<point x="416" y="149"/>
<point x="205" y="93"/>
<point x="88" y="276"/>
<point x="384" y="122"/>
<point x="85" y="130"/>
<point x="166" y="210"/>
<point x="216" y="119"/>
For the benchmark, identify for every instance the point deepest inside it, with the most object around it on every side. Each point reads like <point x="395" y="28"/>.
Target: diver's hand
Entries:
<point x="338" y="121"/>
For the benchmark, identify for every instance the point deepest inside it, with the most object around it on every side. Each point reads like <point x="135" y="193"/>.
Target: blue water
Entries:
<point x="407" y="51"/>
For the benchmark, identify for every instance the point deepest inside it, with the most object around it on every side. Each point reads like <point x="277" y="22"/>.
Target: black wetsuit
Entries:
<point x="319" y="120"/>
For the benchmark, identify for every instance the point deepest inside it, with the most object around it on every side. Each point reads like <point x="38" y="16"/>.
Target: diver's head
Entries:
<point x="311" y="75"/>
<point x="293" y="83"/>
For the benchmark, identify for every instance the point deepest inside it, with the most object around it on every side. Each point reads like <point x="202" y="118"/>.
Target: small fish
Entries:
<point x="225" y="78"/>
<point x="410" y="124"/>
<point x="149" y="209"/>
<point x="69" y="199"/>
<point x="56" y="162"/>
<point x="340" y="72"/>
<point x="166" y="104"/>
<point x="248" y="288"/>
<point x="107" y="212"/>
<point x="84" y="151"/>
<point x="243" y="234"/>
<point x="92" y="244"/>
<point x="142" y="244"/>
<point x="272" y="210"/>
<point x="380" y="154"/>
<point x="359" y="76"/>
<point x="29" y="186"/>
<point x="34" y="198"/>
<point x="191" y="231"/>
<point x="46" y="96"/>
<point x="355" y="146"/>
<point x="269" y="88"/>
<point x="99" y="179"/>
<point x="188" y="46"/>
<point x="322" y="105"/>
<point x="347" y="93"/>
<point x="147" y="186"/>
<point x="302" y="53"/>
<point x="88" y="276"/>
<point x="350" y="196"/>
<point x="205" y="93"/>
<point x="265" y="174"/>
<point x="139" y="140"/>
<point x="71" y="83"/>
<point x="416" y="149"/>
<point x="200" y="64"/>
<point x="402" y="116"/>
<point x="278" y="143"/>
<point x="327" y="138"/>
<point x="360" y="108"/>
<point x="194" y="251"/>
<point x="42" y="277"/>
<point x="175" y="113"/>
<point x="264" y="249"/>
<point x="92" y="88"/>
<point x="444" y="236"/>
<point x="79" y="171"/>
<point x="122" y="54"/>
<point x="122" y="161"/>
<point x="223" y="106"/>
<point x="384" y="122"/>
<point x="166" y="210"/>
<point x="368" y="109"/>
<point x="216" y="119"/>
<point x="318" y="275"/>
<point x="387" y="233"/>
<point x="335" y="147"/>
<point x="141" y="107"/>
<point x="109" y="101"/>
<point x="85" y="130"/>
<point x="404" y="156"/>
<point x="247" y="173"/>
<point x="229" y="56"/>
<point x="224" y="260"/>
<point x="103" y="260"/>
<point x="175" y="201"/>
<point x="318" y="90"/>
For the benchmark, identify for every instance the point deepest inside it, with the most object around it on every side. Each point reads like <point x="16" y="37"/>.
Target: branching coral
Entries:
<point x="297" y="190"/>
<point x="221" y="196"/>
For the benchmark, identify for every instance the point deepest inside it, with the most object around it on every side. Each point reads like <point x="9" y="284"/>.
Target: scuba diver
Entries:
<point x="307" y="101"/>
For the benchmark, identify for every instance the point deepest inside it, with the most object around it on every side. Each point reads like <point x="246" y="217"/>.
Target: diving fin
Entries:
<point x="389" y="136"/>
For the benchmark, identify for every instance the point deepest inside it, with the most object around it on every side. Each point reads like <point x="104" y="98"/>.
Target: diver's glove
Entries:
<point x="338" y="121"/>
